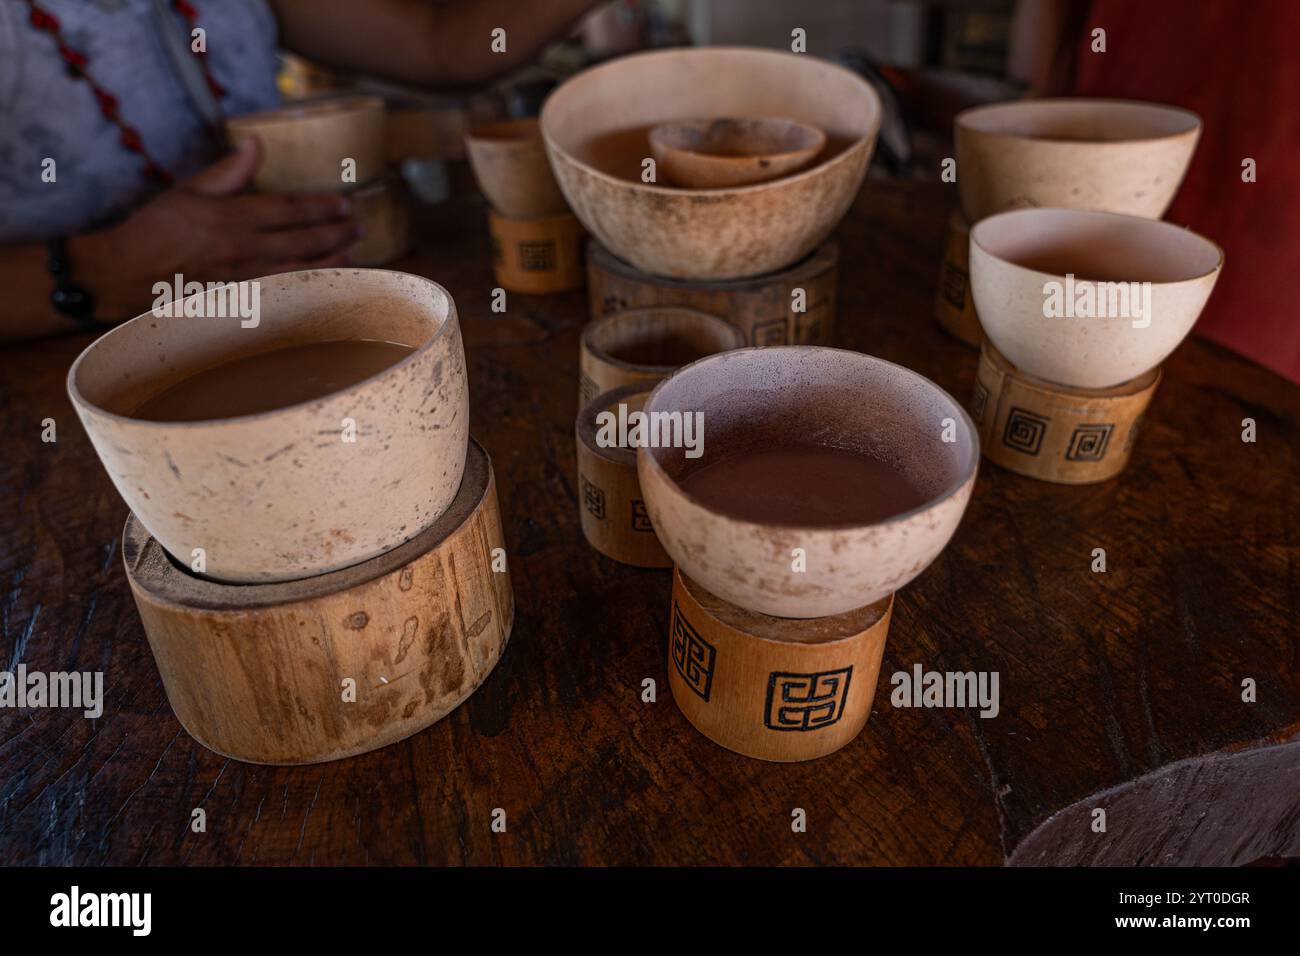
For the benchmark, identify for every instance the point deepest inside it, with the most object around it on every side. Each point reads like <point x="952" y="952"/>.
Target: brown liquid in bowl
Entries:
<point x="269" y="380"/>
<point x="669" y="350"/>
<point x="807" y="485"/>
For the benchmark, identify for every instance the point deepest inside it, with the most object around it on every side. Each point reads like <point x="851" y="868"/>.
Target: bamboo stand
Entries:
<point x="613" y="513"/>
<point x="260" y="673"/>
<point x="536" y="256"/>
<point x="773" y="688"/>
<point x="385" y="220"/>
<point x="954" y="306"/>
<point x="761" y="307"/>
<point x="645" y="331"/>
<point x="1048" y="431"/>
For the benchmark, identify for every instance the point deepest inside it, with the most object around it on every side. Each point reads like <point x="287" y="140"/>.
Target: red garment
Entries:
<point x="1237" y="65"/>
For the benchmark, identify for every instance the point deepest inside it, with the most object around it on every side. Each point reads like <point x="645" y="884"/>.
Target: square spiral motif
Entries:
<point x="640" y="517"/>
<point x="953" y="284"/>
<point x="692" y="655"/>
<point x="1024" y="431"/>
<point x="1088" y="443"/>
<point x="803" y="702"/>
<point x="538" y="256"/>
<point x="593" y="499"/>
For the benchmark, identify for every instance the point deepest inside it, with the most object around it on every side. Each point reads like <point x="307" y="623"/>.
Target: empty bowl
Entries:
<point x="597" y="131"/>
<point x="305" y="145"/>
<point x="1019" y="262"/>
<point x="1101" y="154"/>
<point x="720" y="153"/>
<point x="198" y="421"/>
<point x="828" y="479"/>
<point x="510" y="165"/>
<point x="646" y="345"/>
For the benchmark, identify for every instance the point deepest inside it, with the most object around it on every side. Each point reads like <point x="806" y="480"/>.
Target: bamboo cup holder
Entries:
<point x="646" y="346"/>
<point x="385" y="220"/>
<point x="773" y="688"/>
<point x="612" y="510"/>
<point x="1048" y="431"/>
<point x="536" y="256"/>
<point x="766" y="309"/>
<point x="261" y="673"/>
<point x="954" y="308"/>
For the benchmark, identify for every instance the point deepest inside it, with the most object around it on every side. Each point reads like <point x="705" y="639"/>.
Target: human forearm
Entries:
<point x="27" y="312"/>
<point x="428" y="44"/>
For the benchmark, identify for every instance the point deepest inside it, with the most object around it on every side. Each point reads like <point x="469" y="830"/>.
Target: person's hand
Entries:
<point x="208" y="230"/>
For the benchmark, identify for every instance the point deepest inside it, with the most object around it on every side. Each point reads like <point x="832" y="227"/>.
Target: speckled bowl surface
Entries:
<point x="283" y="494"/>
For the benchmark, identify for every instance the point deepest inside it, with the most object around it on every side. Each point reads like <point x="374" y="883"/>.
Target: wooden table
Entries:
<point x="1119" y="690"/>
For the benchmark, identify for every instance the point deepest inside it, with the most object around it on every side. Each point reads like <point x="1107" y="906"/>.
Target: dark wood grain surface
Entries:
<point x="1120" y="691"/>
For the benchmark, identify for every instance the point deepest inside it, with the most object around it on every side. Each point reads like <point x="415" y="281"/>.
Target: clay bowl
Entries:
<point x="647" y="345"/>
<point x="510" y="165"/>
<point x="1107" y="155"/>
<point x="795" y="396"/>
<point x="596" y="127"/>
<point x="720" y="153"/>
<point x="1014" y="255"/>
<point x="304" y="145"/>
<point x="281" y="494"/>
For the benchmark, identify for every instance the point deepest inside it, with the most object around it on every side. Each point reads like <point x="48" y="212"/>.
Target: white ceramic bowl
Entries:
<point x="1015" y="255"/>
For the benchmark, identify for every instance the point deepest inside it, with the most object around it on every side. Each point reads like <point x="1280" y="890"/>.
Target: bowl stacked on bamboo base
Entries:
<point x="621" y="358"/>
<point x="315" y="543"/>
<point x="334" y="145"/>
<point x="826" y="481"/>
<point x="536" y="241"/>
<point x="711" y="179"/>
<point x="1079" y="310"/>
<point x="1089" y="154"/>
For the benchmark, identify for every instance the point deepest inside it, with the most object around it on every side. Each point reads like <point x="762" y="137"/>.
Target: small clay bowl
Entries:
<point x="304" y="145"/>
<point x="1108" y="155"/>
<point x="510" y="165"/>
<point x="793" y="396"/>
<point x="721" y="153"/>
<point x="1014" y="255"/>
<point x="597" y="131"/>
<point x="282" y="494"/>
<point x="647" y="345"/>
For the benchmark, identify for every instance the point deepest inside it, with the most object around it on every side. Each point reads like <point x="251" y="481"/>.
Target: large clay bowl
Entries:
<point x="733" y="151"/>
<point x="596" y="128"/>
<point x="1014" y="255"/>
<point x="1107" y="155"/>
<point x="304" y="145"/>
<point x="797" y="395"/>
<point x="510" y="165"/>
<point x="282" y="494"/>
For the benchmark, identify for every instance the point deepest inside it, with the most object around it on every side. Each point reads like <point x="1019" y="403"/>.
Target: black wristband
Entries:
<point x="68" y="298"/>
